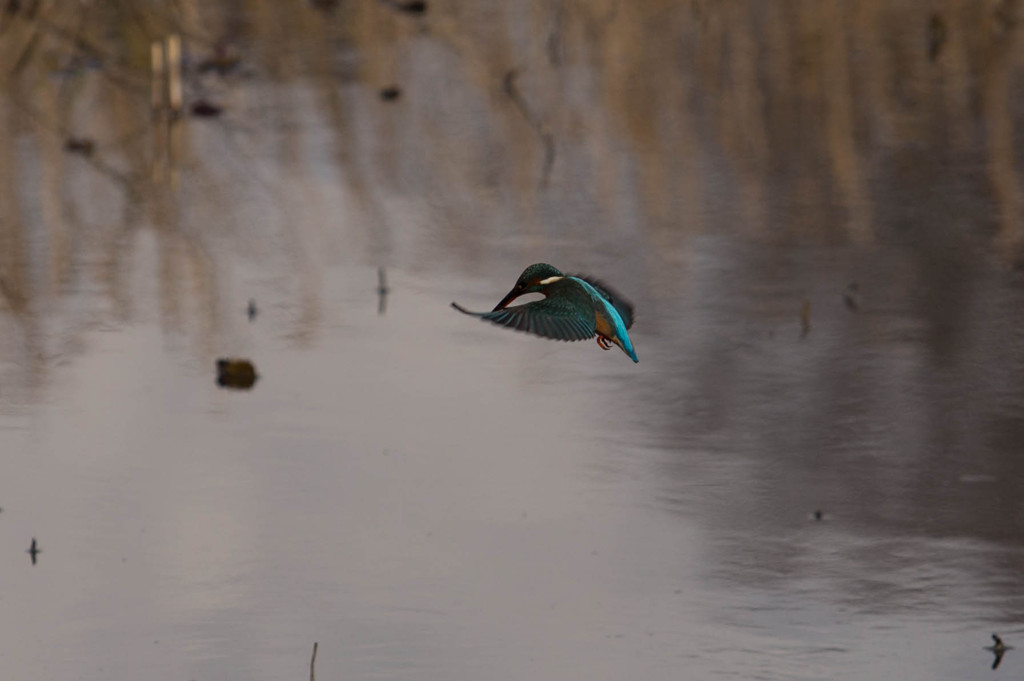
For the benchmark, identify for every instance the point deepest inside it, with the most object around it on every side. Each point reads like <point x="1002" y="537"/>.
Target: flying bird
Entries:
<point x="574" y="308"/>
<point x="998" y="649"/>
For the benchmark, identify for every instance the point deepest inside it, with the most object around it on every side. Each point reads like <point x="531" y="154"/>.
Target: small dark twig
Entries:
<point x="26" y="53"/>
<point x="410" y="7"/>
<point x="312" y="664"/>
<point x="546" y="138"/>
<point x="382" y="290"/>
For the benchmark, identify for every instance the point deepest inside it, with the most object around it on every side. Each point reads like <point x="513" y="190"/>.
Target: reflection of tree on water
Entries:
<point x="820" y="120"/>
<point x="801" y="127"/>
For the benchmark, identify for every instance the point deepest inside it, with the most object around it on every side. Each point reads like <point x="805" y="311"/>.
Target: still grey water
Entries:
<point x="828" y="320"/>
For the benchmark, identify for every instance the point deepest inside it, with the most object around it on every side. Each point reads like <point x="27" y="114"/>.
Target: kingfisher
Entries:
<point x="574" y="308"/>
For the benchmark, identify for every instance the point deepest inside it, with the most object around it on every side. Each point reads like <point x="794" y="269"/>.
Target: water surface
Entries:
<point x="430" y="497"/>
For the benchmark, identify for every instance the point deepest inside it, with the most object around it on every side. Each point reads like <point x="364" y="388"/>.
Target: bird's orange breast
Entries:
<point x="604" y="326"/>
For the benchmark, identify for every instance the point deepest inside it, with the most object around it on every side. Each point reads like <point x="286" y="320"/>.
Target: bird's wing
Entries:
<point x="621" y="305"/>
<point x="551" y="318"/>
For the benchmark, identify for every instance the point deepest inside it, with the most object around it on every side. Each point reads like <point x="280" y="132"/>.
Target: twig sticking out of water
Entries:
<point x="382" y="290"/>
<point x="546" y="138"/>
<point x="851" y="296"/>
<point x="410" y="7"/>
<point x="936" y="36"/>
<point x="312" y="664"/>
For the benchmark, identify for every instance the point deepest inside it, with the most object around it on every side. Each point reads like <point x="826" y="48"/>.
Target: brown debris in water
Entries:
<point x="239" y="374"/>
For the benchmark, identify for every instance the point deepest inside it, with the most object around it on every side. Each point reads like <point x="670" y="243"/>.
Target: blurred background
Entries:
<point x="813" y="472"/>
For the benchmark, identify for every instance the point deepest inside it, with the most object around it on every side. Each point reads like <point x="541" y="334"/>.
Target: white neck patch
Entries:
<point x="549" y="280"/>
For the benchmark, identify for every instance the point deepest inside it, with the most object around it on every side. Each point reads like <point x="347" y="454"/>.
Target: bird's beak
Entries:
<point x="512" y="295"/>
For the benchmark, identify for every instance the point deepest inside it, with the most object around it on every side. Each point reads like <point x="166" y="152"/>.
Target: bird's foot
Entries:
<point x="604" y="343"/>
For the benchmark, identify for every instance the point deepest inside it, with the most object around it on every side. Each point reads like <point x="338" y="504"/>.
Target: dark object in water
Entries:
<point x="251" y="310"/>
<point x="409" y="7"/>
<point x="223" y="60"/>
<point x="206" y="109"/>
<point x="219" y="65"/>
<point x="34" y="550"/>
<point x="851" y="296"/>
<point x="818" y="515"/>
<point x="535" y="122"/>
<point x="12" y="7"/>
<point x="936" y="36"/>
<point x="390" y="93"/>
<point x="79" y="145"/>
<point x="382" y="291"/>
<point x="998" y="649"/>
<point x="324" y="5"/>
<point x="239" y="374"/>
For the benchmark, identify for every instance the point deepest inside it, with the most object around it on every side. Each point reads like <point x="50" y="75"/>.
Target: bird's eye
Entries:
<point x="520" y="286"/>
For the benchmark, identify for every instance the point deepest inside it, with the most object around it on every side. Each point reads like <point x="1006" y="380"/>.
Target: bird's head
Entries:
<point x="533" y="280"/>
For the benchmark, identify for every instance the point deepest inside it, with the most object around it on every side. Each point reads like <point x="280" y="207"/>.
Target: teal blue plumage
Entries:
<point x="575" y="308"/>
<point x="621" y="305"/>
<point x="566" y="314"/>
